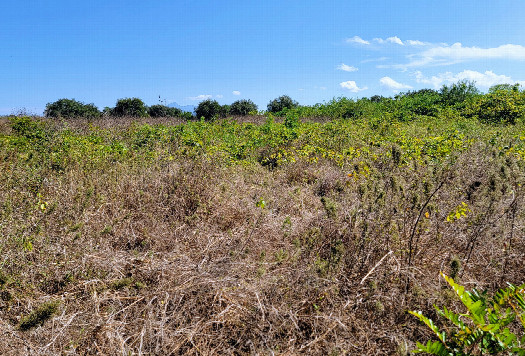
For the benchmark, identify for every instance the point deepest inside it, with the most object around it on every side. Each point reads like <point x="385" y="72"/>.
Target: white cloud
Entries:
<point x="352" y="86"/>
<point x="395" y="40"/>
<point x="443" y="54"/>
<point x="200" y="97"/>
<point x="236" y="92"/>
<point x="416" y="43"/>
<point x="322" y="88"/>
<point x="392" y="84"/>
<point x="219" y="96"/>
<point x="484" y="80"/>
<point x="347" y="68"/>
<point x="458" y="52"/>
<point x="357" y="39"/>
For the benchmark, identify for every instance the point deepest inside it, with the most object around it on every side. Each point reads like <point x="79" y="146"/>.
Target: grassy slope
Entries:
<point x="226" y="237"/>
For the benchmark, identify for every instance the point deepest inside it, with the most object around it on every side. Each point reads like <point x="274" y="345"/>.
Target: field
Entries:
<point x="251" y="235"/>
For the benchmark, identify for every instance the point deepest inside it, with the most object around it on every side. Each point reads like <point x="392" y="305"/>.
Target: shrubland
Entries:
<point x="313" y="231"/>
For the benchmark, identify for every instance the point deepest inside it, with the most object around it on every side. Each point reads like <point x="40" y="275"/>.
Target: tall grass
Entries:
<point x="153" y="237"/>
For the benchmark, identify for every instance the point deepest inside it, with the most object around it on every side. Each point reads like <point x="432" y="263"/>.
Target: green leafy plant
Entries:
<point x="281" y="103"/>
<point x="164" y="111"/>
<point x="133" y="107"/>
<point x="242" y="107"/>
<point x="484" y="328"/>
<point x="70" y="108"/>
<point x="208" y="109"/>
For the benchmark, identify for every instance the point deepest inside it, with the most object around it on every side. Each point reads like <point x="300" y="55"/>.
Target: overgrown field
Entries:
<point x="252" y="236"/>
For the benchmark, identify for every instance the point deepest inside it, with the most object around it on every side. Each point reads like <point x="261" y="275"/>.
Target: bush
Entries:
<point x="499" y="107"/>
<point x="70" y="108"/>
<point x="421" y="102"/>
<point x="281" y="103"/>
<point x="133" y="107"/>
<point x="242" y="107"/>
<point x="164" y="111"/>
<point x="209" y="109"/>
<point x="458" y="93"/>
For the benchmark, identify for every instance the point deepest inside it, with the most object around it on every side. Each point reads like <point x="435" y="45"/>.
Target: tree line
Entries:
<point x="503" y="103"/>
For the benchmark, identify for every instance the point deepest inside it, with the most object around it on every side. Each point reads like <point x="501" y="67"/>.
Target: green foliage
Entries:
<point x="504" y="87"/>
<point x="421" y="102"/>
<point x="279" y="104"/>
<point x="39" y="316"/>
<point x="484" y="328"/>
<point x="457" y="94"/>
<point x="70" y="108"/>
<point x="242" y="107"/>
<point x="499" y="107"/>
<point x="29" y="128"/>
<point x="132" y="107"/>
<point x="164" y="111"/>
<point x="209" y="109"/>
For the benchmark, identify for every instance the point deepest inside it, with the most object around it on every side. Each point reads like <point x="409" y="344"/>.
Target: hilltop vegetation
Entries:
<point x="313" y="229"/>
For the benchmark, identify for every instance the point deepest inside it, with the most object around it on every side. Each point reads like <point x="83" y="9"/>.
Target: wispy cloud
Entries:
<point x="357" y="39"/>
<point x="200" y="97"/>
<point x="236" y="92"/>
<point x="416" y="43"/>
<point x="442" y="54"/>
<point x="219" y="96"/>
<point x="483" y="80"/>
<point x="392" y="84"/>
<point x="393" y="39"/>
<point x="351" y="86"/>
<point x="347" y="68"/>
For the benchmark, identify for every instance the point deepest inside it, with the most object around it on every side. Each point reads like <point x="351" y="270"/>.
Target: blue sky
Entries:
<point x="99" y="51"/>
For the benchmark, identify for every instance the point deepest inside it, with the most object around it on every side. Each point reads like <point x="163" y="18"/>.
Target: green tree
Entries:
<point x="281" y="103"/>
<point x="209" y="109"/>
<point x="133" y="107"/>
<point x="70" y="108"/>
<point x="164" y="111"/>
<point x="457" y="94"/>
<point x="504" y="87"/>
<point x="242" y="107"/>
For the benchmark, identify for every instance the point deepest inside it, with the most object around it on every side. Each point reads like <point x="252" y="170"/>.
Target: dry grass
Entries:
<point x="176" y="258"/>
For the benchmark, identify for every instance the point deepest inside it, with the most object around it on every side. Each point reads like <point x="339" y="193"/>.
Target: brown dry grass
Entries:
<point x="176" y="258"/>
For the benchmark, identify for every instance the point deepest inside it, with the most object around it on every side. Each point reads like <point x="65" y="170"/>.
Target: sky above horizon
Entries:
<point x="186" y="51"/>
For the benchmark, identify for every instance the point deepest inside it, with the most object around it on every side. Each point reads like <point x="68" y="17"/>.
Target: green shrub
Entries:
<point x="499" y="107"/>
<point x="281" y="103"/>
<point x="421" y="102"/>
<point x="133" y="107"/>
<point x="483" y="329"/>
<point x="242" y="107"/>
<point x="164" y="111"/>
<point x="70" y="108"/>
<point x="457" y="94"/>
<point x="29" y="128"/>
<point x="39" y="316"/>
<point x="209" y="109"/>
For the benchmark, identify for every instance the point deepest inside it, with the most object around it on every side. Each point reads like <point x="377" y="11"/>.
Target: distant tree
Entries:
<point x="70" y="108"/>
<point x="458" y="93"/>
<point x="208" y="109"/>
<point x="419" y="102"/>
<point x="281" y="103"/>
<point x="242" y="107"/>
<point x="376" y="98"/>
<point x="504" y="87"/>
<point x="133" y="107"/>
<point x="164" y="111"/>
